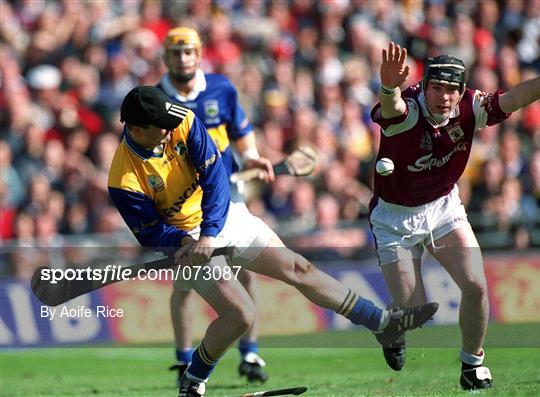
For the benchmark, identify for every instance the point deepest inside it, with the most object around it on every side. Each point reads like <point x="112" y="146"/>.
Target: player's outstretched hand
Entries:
<point x="394" y="72"/>
<point x="267" y="171"/>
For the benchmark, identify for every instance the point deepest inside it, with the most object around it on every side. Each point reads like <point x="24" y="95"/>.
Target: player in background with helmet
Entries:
<point x="214" y="100"/>
<point x="427" y="131"/>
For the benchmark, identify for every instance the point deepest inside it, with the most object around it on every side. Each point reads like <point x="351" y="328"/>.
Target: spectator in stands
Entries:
<point x="77" y="219"/>
<point x="39" y="190"/>
<point x="302" y="217"/>
<point x="13" y="186"/>
<point x="44" y="82"/>
<point x="534" y="186"/>
<point x="515" y="164"/>
<point x="329" y="238"/>
<point x="490" y="183"/>
<point x="8" y="213"/>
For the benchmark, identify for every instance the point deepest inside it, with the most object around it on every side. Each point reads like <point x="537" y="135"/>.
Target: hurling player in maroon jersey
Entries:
<point x="427" y="131"/>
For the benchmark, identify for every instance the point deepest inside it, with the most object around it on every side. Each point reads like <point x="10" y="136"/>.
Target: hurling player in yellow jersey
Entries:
<point x="169" y="184"/>
<point x="214" y="100"/>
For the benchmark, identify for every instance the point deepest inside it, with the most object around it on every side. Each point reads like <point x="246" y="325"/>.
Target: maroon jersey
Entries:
<point x="429" y="160"/>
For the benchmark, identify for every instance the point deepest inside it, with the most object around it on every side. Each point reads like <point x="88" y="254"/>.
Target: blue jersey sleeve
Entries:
<point x="213" y="179"/>
<point x="145" y="222"/>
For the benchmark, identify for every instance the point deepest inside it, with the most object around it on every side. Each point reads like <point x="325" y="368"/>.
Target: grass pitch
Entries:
<point x="335" y="364"/>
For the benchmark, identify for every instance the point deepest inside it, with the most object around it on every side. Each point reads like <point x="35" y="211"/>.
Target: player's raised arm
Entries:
<point x="521" y="95"/>
<point x="394" y="72"/>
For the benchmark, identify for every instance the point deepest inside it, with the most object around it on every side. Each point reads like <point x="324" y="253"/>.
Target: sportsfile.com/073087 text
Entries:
<point x="114" y="272"/>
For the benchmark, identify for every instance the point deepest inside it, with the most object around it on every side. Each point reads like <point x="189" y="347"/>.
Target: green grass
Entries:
<point x="339" y="369"/>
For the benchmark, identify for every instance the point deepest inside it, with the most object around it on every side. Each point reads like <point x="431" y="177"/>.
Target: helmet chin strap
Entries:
<point x="439" y="118"/>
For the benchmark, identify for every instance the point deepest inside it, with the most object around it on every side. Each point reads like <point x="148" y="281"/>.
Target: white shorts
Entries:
<point x="244" y="231"/>
<point x="402" y="232"/>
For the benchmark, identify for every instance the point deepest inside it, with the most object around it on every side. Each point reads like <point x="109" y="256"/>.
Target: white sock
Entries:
<point x="472" y="359"/>
<point x="196" y="379"/>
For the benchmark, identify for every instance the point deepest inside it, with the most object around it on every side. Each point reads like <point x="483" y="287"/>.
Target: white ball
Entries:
<point x="384" y="166"/>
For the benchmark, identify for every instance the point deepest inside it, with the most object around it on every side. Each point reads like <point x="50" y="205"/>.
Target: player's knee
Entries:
<point x="242" y="315"/>
<point x="301" y="265"/>
<point x="299" y="270"/>
<point x="248" y="316"/>
<point x="475" y="289"/>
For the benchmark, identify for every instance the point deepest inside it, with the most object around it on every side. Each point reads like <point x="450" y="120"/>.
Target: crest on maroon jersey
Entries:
<point x="455" y="133"/>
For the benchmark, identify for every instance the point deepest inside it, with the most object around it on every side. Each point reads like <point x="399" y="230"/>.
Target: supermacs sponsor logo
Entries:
<point x="427" y="162"/>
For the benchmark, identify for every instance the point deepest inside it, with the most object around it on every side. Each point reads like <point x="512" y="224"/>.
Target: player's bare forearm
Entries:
<point x="394" y="72"/>
<point x="521" y="95"/>
<point x="246" y="146"/>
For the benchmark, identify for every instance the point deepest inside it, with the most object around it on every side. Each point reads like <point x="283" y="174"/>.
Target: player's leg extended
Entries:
<point x="460" y="255"/>
<point x="182" y="311"/>
<point x="252" y="364"/>
<point x="404" y="281"/>
<point x="249" y="281"/>
<point x="279" y="262"/>
<point x="236" y="313"/>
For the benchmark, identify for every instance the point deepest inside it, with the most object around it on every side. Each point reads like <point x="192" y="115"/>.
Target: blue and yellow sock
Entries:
<point x="202" y="365"/>
<point x="184" y="355"/>
<point x="361" y="311"/>
<point x="246" y="346"/>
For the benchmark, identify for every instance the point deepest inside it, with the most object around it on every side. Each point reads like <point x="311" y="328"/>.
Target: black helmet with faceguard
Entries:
<point x="445" y="69"/>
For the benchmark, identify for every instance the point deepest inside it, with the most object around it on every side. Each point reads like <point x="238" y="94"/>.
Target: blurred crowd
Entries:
<point x="307" y="72"/>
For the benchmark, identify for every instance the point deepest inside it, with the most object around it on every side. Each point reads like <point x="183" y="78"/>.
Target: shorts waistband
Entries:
<point x="412" y="210"/>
